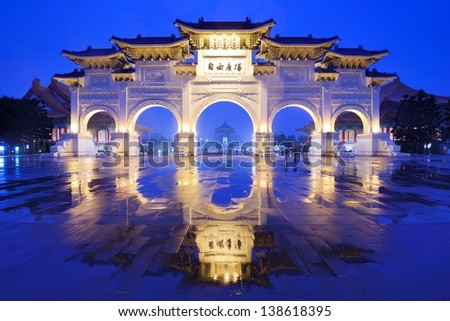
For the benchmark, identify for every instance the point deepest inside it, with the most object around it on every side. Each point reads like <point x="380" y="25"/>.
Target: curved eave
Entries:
<point x="376" y="56"/>
<point x="106" y="61"/>
<point x="73" y="55"/>
<point x="346" y="61"/>
<point x="376" y="81"/>
<point x="70" y="80"/>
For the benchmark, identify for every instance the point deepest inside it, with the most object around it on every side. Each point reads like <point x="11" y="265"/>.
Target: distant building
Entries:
<point x="225" y="134"/>
<point x="56" y="100"/>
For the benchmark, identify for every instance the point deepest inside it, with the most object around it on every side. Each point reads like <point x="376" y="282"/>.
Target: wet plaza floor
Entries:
<point x="370" y="229"/>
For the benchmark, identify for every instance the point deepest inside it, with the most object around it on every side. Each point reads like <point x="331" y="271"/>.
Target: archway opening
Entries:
<point x="101" y="125"/>
<point x="348" y="126"/>
<point x="156" y="127"/>
<point x="224" y="126"/>
<point x="292" y="128"/>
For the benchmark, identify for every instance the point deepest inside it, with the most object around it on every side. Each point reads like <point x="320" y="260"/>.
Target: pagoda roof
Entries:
<point x="224" y="126"/>
<point x="295" y="47"/>
<point x="208" y="26"/>
<point x="60" y="90"/>
<point x="56" y="97"/>
<point x="395" y="90"/>
<point x="154" y="47"/>
<point x="99" y="58"/>
<point x="224" y="34"/>
<point x="353" y="58"/>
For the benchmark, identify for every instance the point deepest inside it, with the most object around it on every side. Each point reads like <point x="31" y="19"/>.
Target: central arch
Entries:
<point x="307" y="106"/>
<point x="251" y="109"/>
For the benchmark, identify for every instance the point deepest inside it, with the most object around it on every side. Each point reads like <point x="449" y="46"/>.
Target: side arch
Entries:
<point x="91" y="111"/>
<point x="358" y="110"/>
<point x="303" y="104"/>
<point x="142" y="106"/>
<point x="243" y="103"/>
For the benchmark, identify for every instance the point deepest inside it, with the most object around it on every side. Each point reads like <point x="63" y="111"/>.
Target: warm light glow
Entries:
<point x="263" y="128"/>
<point x="326" y="128"/>
<point x="122" y="129"/>
<point x="73" y="128"/>
<point x="186" y="128"/>
<point x="376" y="129"/>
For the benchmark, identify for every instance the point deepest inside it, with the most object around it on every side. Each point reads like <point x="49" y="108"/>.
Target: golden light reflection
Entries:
<point x="225" y="251"/>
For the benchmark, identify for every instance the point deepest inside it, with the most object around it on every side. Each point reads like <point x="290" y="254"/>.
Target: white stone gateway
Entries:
<point x="237" y="62"/>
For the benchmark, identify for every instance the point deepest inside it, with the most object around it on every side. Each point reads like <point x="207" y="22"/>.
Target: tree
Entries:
<point x="417" y="122"/>
<point x="24" y="121"/>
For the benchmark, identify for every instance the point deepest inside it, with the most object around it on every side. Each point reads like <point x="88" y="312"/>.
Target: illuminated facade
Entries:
<point x="225" y="61"/>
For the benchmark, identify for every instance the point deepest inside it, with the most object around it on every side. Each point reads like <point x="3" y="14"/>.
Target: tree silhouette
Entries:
<point x="417" y="122"/>
<point x="23" y="121"/>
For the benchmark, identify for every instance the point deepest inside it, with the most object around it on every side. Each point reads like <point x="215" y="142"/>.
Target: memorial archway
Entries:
<point x="237" y="62"/>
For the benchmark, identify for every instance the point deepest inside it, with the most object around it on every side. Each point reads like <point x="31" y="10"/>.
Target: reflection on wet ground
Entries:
<point x="374" y="229"/>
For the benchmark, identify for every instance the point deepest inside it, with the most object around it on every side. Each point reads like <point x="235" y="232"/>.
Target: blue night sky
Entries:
<point x="416" y="33"/>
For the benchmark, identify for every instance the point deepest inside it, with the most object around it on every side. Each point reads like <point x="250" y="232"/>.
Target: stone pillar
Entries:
<point x="118" y="139"/>
<point x="184" y="144"/>
<point x="126" y="143"/>
<point x="375" y="109"/>
<point x="74" y="110"/>
<point x="264" y="144"/>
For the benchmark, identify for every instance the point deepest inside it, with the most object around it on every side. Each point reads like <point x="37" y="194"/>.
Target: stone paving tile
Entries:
<point x="374" y="229"/>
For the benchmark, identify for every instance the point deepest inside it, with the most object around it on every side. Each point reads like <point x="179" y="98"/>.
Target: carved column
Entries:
<point x="375" y="109"/>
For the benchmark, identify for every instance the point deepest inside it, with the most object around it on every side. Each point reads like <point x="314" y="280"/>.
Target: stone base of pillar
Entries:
<point x="264" y="144"/>
<point x="323" y="144"/>
<point x="378" y="144"/>
<point x="74" y="144"/>
<point x="125" y="143"/>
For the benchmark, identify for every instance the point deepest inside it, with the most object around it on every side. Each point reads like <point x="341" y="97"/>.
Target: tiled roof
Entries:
<point x="301" y="40"/>
<point x="60" y="89"/>
<point x="224" y="25"/>
<point x="376" y="73"/>
<point x="59" y="108"/>
<point x="91" y="52"/>
<point x="224" y="126"/>
<point x="139" y="40"/>
<point x="395" y="90"/>
<point x="359" y="51"/>
<point x="76" y="73"/>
